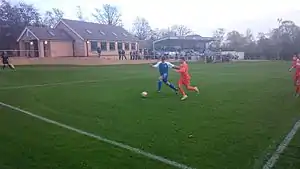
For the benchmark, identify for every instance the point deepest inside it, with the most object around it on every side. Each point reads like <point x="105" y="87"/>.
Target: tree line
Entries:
<point x="280" y="43"/>
<point x="15" y="17"/>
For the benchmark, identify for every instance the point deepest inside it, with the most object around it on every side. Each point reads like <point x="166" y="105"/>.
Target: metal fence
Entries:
<point x="21" y="53"/>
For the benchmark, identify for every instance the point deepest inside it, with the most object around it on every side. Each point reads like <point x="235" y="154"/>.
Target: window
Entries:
<point x="51" y="33"/>
<point x="114" y="33"/>
<point x="120" y="46"/>
<point x="126" y="46"/>
<point x="133" y="47"/>
<point x="124" y="34"/>
<point x="112" y="46"/>
<point x="94" y="46"/>
<point x="102" y="32"/>
<point x="88" y="31"/>
<point x="103" y="46"/>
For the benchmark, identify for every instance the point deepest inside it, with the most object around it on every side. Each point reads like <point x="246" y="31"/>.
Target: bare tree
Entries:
<point x="250" y="47"/>
<point x="109" y="15"/>
<point x="155" y="34"/>
<point x="52" y="17"/>
<point x="218" y="35"/>
<point x="79" y="13"/>
<point x="180" y="30"/>
<point x="249" y="36"/>
<point x="160" y="33"/>
<point x="235" y="40"/>
<point x="141" y="28"/>
<point x="13" y="19"/>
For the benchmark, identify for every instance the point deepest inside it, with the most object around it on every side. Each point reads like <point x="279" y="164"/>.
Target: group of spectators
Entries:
<point x="135" y="55"/>
<point x="122" y="55"/>
<point x="148" y="54"/>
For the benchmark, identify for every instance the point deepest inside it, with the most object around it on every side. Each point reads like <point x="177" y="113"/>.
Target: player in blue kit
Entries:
<point x="163" y="68"/>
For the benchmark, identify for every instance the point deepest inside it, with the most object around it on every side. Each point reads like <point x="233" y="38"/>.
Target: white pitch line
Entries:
<point x="48" y="84"/>
<point x="282" y="146"/>
<point x="100" y="138"/>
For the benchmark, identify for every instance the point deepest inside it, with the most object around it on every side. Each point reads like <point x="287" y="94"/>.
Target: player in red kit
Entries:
<point x="294" y="61"/>
<point x="185" y="79"/>
<point x="297" y="92"/>
<point x="296" y="66"/>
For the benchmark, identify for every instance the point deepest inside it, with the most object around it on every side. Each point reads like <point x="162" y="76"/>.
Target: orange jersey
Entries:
<point x="184" y="71"/>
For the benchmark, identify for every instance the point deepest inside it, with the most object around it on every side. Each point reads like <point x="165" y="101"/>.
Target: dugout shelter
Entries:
<point x="179" y="43"/>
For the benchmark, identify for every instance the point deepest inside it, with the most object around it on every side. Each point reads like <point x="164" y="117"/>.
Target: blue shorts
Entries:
<point x="164" y="77"/>
<point x="5" y="61"/>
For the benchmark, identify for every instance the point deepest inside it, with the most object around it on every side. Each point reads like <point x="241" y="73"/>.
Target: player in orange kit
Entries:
<point x="297" y="92"/>
<point x="185" y="79"/>
<point x="296" y="65"/>
<point x="294" y="61"/>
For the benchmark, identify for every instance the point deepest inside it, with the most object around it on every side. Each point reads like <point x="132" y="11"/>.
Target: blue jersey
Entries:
<point x="163" y="67"/>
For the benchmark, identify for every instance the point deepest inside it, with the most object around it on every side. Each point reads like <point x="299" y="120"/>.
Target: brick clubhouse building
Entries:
<point x="75" y="38"/>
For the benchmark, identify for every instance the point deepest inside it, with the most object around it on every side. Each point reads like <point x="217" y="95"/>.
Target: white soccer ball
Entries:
<point x="144" y="94"/>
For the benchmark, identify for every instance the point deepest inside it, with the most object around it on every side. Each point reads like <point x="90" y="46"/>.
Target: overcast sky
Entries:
<point x="202" y="16"/>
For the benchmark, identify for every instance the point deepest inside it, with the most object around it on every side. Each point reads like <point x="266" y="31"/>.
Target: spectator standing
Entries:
<point x="131" y="55"/>
<point x="123" y="54"/>
<point x="120" y="54"/>
<point x="99" y="51"/>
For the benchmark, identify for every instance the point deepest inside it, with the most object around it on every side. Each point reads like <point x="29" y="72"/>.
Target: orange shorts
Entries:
<point x="185" y="82"/>
<point x="297" y="79"/>
<point x="296" y="76"/>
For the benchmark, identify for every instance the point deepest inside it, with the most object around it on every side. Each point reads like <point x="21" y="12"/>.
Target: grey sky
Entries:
<point x="202" y="16"/>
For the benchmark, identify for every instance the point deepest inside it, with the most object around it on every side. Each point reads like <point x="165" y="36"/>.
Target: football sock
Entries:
<point x="181" y="90"/>
<point x="191" y="88"/>
<point x="159" y="84"/>
<point x="11" y="67"/>
<point x="171" y="86"/>
<point x="297" y="89"/>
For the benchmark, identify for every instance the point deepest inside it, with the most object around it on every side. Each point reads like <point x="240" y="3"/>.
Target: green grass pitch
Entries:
<point x="290" y="158"/>
<point x="243" y="112"/>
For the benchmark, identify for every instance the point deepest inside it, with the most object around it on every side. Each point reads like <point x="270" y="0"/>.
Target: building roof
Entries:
<point x="194" y="36"/>
<point x="145" y="44"/>
<point x="44" y="33"/>
<point x="188" y="37"/>
<point x="95" y="31"/>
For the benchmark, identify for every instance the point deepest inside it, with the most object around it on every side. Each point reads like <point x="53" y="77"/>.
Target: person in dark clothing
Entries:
<point x="5" y="62"/>
<point x="120" y="54"/>
<point x="123" y="55"/>
<point x="138" y="54"/>
<point x="145" y="54"/>
<point x="134" y="55"/>
<point x="131" y="55"/>
<point x="99" y="51"/>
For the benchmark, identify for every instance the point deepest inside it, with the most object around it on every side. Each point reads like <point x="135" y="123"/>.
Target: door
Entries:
<point x="36" y="48"/>
<point x="47" y="49"/>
